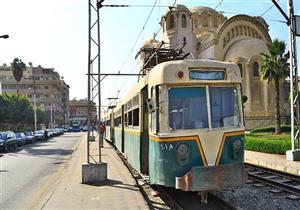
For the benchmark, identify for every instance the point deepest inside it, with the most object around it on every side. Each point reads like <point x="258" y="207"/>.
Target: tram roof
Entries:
<point x="133" y="92"/>
<point x="166" y="73"/>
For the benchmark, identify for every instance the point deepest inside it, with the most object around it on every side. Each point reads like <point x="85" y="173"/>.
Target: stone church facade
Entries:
<point x="240" y="39"/>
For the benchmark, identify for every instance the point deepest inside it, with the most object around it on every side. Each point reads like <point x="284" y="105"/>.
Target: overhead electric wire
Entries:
<point x="268" y="9"/>
<point x="219" y="3"/>
<point x="154" y="5"/>
<point x="135" y="42"/>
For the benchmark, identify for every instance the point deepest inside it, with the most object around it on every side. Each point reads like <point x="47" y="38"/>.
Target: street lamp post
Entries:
<point x="34" y="102"/>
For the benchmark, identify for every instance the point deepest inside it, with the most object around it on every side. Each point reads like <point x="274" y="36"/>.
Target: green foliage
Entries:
<point x="275" y="64"/>
<point x="40" y="115"/>
<point x="275" y="67"/>
<point x="18" y="66"/>
<point x="17" y="109"/>
<point x="271" y="129"/>
<point x="269" y="143"/>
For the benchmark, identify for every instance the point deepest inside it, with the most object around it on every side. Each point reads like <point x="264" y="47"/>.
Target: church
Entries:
<point x="208" y="34"/>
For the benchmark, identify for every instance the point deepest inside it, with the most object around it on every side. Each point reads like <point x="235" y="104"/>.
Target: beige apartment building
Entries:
<point x="50" y="90"/>
<point x="78" y="111"/>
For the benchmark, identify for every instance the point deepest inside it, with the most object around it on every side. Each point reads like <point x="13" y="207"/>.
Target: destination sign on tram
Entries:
<point x="207" y="75"/>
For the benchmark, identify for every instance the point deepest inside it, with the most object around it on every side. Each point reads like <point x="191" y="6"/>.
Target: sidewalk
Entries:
<point x="118" y="192"/>
<point x="273" y="161"/>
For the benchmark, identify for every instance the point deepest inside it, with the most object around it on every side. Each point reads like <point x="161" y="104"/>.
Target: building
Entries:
<point x="208" y="34"/>
<point x="78" y="111"/>
<point x="50" y="90"/>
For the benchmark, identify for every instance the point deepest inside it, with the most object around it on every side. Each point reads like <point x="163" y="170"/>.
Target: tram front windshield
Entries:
<point x="188" y="107"/>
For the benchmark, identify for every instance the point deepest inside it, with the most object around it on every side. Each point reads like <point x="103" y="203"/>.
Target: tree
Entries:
<point x="17" y="109"/>
<point x="40" y="113"/>
<point x="275" y="67"/>
<point x="18" y="67"/>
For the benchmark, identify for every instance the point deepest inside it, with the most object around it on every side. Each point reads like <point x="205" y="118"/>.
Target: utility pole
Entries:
<point x="96" y="171"/>
<point x="34" y="103"/>
<point x="293" y="154"/>
<point x="295" y="112"/>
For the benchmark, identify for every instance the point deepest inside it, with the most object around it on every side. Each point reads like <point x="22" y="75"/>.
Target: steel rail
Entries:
<point x="275" y="179"/>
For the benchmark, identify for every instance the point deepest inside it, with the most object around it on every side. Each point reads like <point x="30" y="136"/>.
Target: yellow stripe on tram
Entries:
<point x="225" y="135"/>
<point x="184" y="138"/>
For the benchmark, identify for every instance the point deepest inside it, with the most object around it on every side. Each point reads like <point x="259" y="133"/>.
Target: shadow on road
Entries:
<point x="39" y="149"/>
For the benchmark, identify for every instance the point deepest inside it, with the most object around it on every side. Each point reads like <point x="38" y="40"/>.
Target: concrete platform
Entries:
<point x="119" y="191"/>
<point x="273" y="161"/>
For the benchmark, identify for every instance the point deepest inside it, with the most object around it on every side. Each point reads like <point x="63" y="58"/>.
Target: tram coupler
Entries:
<point x="203" y="196"/>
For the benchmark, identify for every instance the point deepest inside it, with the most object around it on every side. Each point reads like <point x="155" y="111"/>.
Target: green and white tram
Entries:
<point x="182" y="124"/>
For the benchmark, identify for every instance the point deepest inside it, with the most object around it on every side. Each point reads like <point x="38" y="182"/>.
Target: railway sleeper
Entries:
<point x="293" y="197"/>
<point x="256" y="172"/>
<point x="271" y="177"/>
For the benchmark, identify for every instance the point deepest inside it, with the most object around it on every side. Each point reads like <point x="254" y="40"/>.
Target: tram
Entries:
<point x="182" y="124"/>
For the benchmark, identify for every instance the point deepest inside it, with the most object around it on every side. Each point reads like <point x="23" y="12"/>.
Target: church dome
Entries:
<point x="203" y="10"/>
<point x="205" y="21"/>
<point x="151" y="43"/>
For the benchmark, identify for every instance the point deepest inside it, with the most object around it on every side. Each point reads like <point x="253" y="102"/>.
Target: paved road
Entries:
<point x="28" y="174"/>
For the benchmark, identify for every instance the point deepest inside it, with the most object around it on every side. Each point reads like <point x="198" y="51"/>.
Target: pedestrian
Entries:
<point x="101" y="133"/>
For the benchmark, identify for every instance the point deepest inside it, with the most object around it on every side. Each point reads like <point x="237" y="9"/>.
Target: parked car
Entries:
<point x="8" y="140"/>
<point x="85" y="128"/>
<point x="76" y="128"/>
<point x="40" y="135"/>
<point x="30" y="138"/>
<point x="21" y="139"/>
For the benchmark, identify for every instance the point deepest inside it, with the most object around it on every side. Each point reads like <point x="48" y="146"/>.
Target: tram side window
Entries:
<point x="136" y="117"/>
<point x="118" y="121"/>
<point x="224" y="107"/>
<point x="125" y="120"/>
<point x="187" y="108"/>
<point x="130" y="118"/>
<point x="155" y="114"/>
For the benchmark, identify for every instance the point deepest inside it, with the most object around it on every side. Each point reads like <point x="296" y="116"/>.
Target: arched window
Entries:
<point x="241" y="68"/>
<point x="183" y="21"/>
<point x="205" y="21"/>
<point x="171" y="22"/>
<point x="215" y="22"/>
<point x="255" y="69"/>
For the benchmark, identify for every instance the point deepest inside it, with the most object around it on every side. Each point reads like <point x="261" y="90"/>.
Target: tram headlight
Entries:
<point x="180" y="74"/>
<point x="182" y="154"/>
<point x="237" y="149"/>
<point x="182" y="149"/>
<point x="237" y="144"/>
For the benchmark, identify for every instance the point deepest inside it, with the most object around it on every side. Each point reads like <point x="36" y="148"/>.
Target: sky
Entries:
<point x="54" y="34"/>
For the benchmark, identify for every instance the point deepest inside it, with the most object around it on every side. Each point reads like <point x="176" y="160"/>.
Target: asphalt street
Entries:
<point x="29" y="173"/>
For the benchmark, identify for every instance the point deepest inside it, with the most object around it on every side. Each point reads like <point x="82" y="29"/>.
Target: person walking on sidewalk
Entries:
<point x="102" y="130"/>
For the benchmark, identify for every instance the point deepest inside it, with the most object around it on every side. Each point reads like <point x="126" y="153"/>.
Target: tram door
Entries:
<point x="112" y="129"/>
<point x="145" y="136"/>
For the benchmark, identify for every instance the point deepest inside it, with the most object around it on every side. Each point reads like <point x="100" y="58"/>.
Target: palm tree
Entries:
<point x="18" y="67"/>
<point x="275" y="67"/>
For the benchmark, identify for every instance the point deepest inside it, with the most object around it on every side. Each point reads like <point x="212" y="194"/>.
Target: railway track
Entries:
<point x="283" y="182"/>
<point x="170" y="198"/>
<point x="191" y="200"/>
